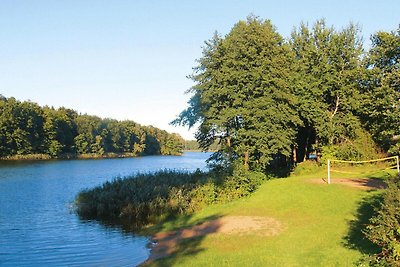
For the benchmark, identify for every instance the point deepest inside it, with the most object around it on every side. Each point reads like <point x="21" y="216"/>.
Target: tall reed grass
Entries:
<point x="148" y="198"/>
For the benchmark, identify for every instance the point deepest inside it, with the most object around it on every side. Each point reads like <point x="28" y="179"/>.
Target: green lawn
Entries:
<point x="322" y="227"/>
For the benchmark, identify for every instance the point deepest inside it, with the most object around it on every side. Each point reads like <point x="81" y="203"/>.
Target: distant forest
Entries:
<point x="29" y="129"/>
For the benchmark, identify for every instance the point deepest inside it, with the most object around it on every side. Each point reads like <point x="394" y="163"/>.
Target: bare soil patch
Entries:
<point x="361" y="183"/>
<point x="166" y="243"/>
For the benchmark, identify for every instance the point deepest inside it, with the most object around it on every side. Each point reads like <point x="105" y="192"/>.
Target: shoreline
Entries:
<point x="39" y="157"/>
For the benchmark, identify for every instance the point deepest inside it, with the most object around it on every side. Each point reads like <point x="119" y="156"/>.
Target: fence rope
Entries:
<point x="362" y="161"/>
<point x="374" y="171"/>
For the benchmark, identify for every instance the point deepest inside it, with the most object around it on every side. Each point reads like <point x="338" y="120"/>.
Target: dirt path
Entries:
<point x="165" y="243"/>
<point x="362" y="183"/>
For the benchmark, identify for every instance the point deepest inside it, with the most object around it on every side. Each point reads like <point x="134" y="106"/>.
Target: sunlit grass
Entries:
<point x="322" y="226"/>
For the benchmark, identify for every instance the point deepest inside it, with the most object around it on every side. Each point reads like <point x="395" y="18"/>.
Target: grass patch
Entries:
<point x="323" y="225"/>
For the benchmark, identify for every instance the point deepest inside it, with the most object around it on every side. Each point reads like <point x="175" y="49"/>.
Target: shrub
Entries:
<point x="384" y="227"/>
<point x="308" y="167"/>
<point x="148" y="198"/>
<point x="361" y="147"/>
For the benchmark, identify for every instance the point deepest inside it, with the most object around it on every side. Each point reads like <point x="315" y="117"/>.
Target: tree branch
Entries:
<point x="336" y="107"/>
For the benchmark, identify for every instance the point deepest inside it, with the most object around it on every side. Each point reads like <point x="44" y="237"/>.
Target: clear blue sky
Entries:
<point x="130" y="59"/>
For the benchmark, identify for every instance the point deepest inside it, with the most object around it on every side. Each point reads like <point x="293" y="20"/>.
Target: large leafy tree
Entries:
<point x="380" y="109"/>
<point x="327" y="77"/>
<point x="242" y="95"/>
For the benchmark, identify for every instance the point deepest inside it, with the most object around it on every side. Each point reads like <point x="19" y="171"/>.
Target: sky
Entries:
<point x="130" y="59"/>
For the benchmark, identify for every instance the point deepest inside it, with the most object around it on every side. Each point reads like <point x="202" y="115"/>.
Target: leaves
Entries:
<point x="265" y="98"/>
<point x="383" y="229"/>
<point x="242" y="94"/>
<point x="380" y="106"/>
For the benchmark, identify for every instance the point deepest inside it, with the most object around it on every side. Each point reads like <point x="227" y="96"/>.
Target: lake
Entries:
<point x="38" y="226"/>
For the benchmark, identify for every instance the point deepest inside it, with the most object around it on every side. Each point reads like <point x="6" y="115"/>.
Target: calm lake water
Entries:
<point x="38" y="228"/>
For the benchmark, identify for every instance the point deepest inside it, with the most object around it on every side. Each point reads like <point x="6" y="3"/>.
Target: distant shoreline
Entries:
<point x="39" y="157"/>
<point x="198" y="150"/>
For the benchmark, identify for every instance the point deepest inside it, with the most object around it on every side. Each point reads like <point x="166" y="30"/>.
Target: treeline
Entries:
<point x="28" y="129"/>
<point x="193" y="145"/>
<point x="272" y="101"/>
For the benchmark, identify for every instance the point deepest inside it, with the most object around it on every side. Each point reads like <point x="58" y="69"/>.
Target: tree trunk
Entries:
<point x="317" y="151"/>
<point x="228" y="141"/>
<point x="246" y="160"/>
<point x="306" y="147"/>
<point x="294" y="154"/>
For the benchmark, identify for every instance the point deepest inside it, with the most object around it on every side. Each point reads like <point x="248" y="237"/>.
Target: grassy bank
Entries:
<point x="322" y="226"/>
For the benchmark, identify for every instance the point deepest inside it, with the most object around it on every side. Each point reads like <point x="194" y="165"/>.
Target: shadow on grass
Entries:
<point x="355" y="239"/>
<point x="172" y="239"/>
<point x="169" y="247"/>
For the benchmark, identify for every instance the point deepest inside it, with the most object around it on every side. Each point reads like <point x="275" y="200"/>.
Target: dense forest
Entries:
<point x="271" y="101"/>
<point x="26" y="129"/>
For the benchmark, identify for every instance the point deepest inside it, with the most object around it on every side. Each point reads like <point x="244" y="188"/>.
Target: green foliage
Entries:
<point x="308" y="167"/>
<point x="242" y="95"/>
<point x="21" y="127"/>
<point x="193" y="145"/>
<point x="360" y="147"/>
<point x="384" y="227"/>
<point x="326" y="84"/>
<point x="380" y="108"/>
<point x="147" y="198"/>
<point x="26" y="128"/>
<point x="271" y="102"/>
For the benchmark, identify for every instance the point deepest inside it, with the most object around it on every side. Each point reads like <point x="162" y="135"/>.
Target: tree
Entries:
<point x="82" y="143"/>
<point x="242" y="95"/>
<point x="380" y="109"/>
<point x="328" y="70"/>
<point x="21" y="127"/>
<point x="60" y="130"/>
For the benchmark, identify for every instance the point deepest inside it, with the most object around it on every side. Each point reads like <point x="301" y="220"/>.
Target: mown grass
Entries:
<point x="323" y="225"/>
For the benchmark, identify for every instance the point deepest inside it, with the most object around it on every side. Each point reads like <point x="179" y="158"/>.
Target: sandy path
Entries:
<point x="165" y="243"/>
<point x="362" y="183"/>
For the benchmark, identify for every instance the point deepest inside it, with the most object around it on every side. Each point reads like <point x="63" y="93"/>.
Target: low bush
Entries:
<point x="148" y="198"/>
<point x="384" y="227"/>
<point x="361" y="147"/>
<point x="308" y="167"/>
